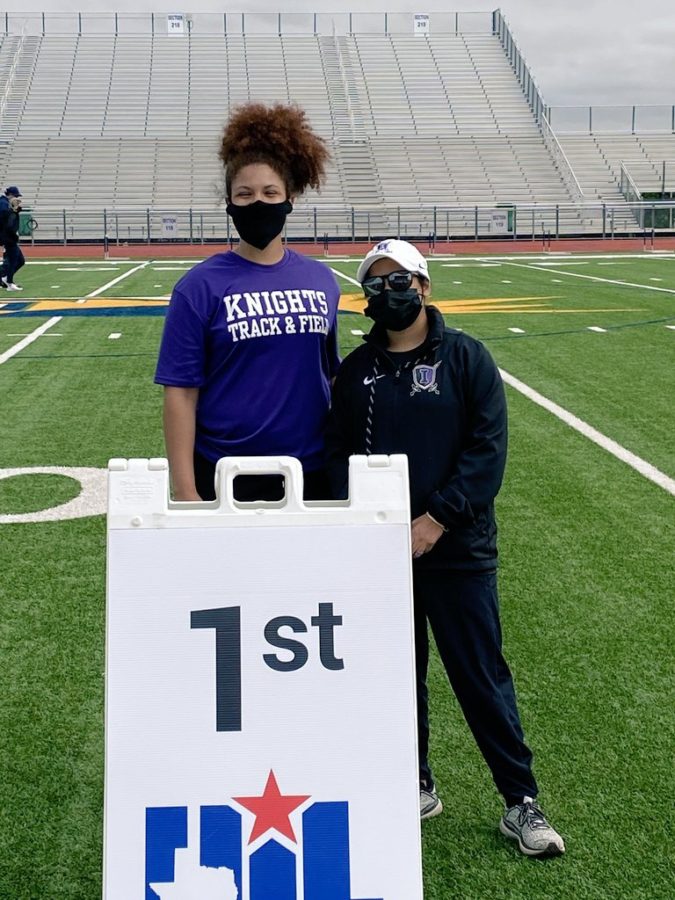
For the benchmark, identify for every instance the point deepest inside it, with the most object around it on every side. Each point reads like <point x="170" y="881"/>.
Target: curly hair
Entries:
<point x="279" y="136"/>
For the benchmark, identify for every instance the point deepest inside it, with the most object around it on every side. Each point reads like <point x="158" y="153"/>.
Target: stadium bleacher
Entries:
<point x="131" y="121"/>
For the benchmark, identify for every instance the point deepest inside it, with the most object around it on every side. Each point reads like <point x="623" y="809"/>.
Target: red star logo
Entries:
<point x="272" y="810"/>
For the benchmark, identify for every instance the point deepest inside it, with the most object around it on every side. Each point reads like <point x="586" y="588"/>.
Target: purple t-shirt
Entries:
<point x="260" y="343"/>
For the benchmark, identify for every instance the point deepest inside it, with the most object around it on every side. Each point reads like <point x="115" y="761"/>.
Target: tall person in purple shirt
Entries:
<point x="250" y="341"/>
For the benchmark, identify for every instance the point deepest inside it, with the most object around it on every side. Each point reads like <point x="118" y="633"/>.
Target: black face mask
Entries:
<point x="259" y="223"/>
<point x="395" y="310"/>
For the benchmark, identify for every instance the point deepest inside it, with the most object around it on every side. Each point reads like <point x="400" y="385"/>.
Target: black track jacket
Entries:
<point x="450" y="422"/>
<point x="9" y="224"/>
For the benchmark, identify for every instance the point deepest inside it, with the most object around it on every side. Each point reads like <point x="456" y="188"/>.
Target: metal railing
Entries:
<point x="613" y="119"/>
<point x="349" y="224"/>
<point x="520" y="67"/>
<point x="9" y="83"/>
<point x="628" y="187"/>
<point x="647" y="176"/>
<point x="561" y="160"/>
<point x="233" y="22"/>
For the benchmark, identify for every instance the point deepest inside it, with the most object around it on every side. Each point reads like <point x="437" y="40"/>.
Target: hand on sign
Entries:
<point x="425" y="533"/>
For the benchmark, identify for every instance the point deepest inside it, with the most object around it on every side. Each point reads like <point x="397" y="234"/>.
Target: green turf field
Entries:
<point x="587" y="576"/>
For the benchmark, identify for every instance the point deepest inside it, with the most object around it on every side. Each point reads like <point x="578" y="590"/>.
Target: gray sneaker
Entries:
<point x="527" y="824"/>
<point x="430" y="802"/>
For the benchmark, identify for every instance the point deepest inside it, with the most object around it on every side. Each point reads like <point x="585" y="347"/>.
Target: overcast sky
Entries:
<point x="580" y="51"/>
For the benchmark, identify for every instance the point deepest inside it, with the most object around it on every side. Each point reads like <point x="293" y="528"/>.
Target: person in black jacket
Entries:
<point x="435" y="394"/>
<point x="12" y="259"/>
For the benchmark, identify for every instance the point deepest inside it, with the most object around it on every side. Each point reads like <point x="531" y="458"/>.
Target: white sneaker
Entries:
<point x="430" y="802"/>
<point x="527" y="824"/>
<point x="4" y="282"/>
<point x="13" y="287"/>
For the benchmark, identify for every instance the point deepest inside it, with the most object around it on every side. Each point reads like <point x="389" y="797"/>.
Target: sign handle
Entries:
<point x="227" y="469"/>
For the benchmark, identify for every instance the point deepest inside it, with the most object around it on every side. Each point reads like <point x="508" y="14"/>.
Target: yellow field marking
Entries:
<point x="93" y="303"/>
<point x="475" y="306"/>
<point x="354" y="303"/>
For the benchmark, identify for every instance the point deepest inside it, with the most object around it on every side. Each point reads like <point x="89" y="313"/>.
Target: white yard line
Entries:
<point x="17" y="348"/>
<point x="115" y="281"/>
<point x="635" y="462"/>
<point x="643" y="287"/>
<point x="346" y="277"/>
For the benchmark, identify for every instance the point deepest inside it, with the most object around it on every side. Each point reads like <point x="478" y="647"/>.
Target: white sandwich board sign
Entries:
<point x="260" y="690"/>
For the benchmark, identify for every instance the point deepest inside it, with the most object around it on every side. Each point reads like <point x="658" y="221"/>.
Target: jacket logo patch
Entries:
<point x="424" y="379"/>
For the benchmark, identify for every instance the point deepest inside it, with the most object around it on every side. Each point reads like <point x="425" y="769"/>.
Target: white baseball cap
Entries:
<point x="403" y="253"/>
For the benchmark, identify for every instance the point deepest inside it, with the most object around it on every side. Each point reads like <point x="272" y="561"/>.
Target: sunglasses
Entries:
<point x="397" y="281"/>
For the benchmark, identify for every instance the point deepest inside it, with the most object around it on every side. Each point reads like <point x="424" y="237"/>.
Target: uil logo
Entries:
<point x="291" y="849"/>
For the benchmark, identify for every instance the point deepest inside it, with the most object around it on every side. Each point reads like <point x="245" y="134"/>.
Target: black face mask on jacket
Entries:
<point x="395" y="310"/>
<point x="259" y="223"/>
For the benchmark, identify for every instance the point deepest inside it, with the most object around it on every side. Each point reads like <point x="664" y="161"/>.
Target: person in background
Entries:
<point x="12" y="258"/>
<point x="435" y="394"/>
<point x="250" y="341"/>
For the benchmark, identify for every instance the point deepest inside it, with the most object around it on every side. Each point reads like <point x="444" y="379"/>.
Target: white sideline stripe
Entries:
<point x="78" y="269"/>
<point x="570" y="262"/>
<point x="597" y="328"/>
<point x="17" y="348"/>
<point x="530" y="257"/>
<point x="635" y="462"/>
<point x="114" y="281"/>
<point x="672" y="327"/>
<point x="77" y="262"/>
<point x="642" y="287"/>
